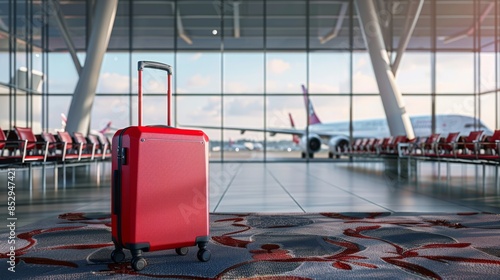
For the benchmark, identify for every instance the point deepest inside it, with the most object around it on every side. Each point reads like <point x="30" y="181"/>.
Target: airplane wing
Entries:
<point x="271" y="131"/>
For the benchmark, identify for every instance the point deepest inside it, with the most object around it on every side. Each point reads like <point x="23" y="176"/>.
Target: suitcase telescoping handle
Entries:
<point x="160" y="66"/>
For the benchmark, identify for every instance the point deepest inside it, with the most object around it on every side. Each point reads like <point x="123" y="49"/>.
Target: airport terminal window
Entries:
<point x="36" y="112"/>
<point x="363" y="78"/>
<point x="20" y="56"/>
<point x="243" y="73"/>
<point x="278" y="108"/>
<point x="199" y="110"/>
<point x="285" y="72"/>
<point x="418" y="105"/>
<point x="62" y="76"/>
<point x="413" y="74"/>
<point x="116" y="109"/>
<point x="487" y="74"/>
<point x="58" y="104"/>
<point x="115" y="73"/>
<point x="367" y="108"/>
<point x="455" y="73"/>
<point x="244" y="111"/>
<point x="332" y="108"/>
<point x="461" y="105"/>
<point x="4" y="70"/>
<point x="198" y="72"/>
<point x="488" y="110"/>
<point x="228" y="80"/>
<point x="4" y="111"/>
<point x="334" y="80"/>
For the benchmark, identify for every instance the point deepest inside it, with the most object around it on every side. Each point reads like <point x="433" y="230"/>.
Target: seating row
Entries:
<point x="22" y="146"/>
<point x="474" y="147"/>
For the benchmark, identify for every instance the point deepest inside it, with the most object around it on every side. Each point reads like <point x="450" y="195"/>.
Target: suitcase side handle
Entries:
<point x="160" y="66"/>
<point x="155" y="65"/>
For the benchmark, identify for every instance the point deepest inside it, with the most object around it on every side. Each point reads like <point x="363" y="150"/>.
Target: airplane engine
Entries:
<point x="337" y="144"/>
<point x="313" y="142"/>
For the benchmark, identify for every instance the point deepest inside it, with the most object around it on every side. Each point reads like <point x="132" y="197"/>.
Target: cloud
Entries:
<point x="113" y="83"/>
<point x="235" y="87"/>
<point x="361" y="63"/>
<point x="363" y="83"/>
<point x="323" y="88"/>
<point x="277" y="86"/>
<point x="278" y="66"/>
<point x="244" y="107"/>
<point x="212" y="108"/>
<point x="198" y="81"/>
<point x="196" y="56"/>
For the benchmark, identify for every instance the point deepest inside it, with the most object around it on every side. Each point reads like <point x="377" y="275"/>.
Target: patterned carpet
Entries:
<point x="279" y="246"/>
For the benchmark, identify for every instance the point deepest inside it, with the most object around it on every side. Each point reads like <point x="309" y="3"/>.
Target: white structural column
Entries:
<point x="397" y="117"/>
<point x="83" y="97"/>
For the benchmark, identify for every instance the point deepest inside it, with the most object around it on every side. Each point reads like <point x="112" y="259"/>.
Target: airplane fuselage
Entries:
<point x="422" y="126"/>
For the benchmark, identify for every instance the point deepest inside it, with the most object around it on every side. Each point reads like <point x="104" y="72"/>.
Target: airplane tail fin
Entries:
<point x="106" y="128"/>
<point x="295" y="138"/>
<point x="64" y="120"/>
<point x="313" y="118"/>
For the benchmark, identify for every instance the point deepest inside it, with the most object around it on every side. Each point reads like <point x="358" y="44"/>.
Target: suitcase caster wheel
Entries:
<point x="182" y="251"/>
<point x="204" y="255"/>
<point x="117" y="256"/>
<point x="139" y="263"/>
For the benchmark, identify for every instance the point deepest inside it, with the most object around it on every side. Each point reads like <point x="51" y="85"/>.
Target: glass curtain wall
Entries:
<point x="22" y="29"/>
<point x="239" y="66"/>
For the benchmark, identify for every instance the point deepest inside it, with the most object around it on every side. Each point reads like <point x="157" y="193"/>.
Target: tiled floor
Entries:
<point x="279" y="187"/>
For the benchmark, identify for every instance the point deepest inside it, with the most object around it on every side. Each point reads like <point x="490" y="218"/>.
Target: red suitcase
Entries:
<point x="159" y="187"/>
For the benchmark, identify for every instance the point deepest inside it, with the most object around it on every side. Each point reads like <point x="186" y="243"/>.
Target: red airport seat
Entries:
<point x="392" y="147"/>
<point x="3" y="144"/>
<point x="52" y="141"/>
<point x="3" y="140"/>
<point x="70" y="151"/>
<point x="376" y="146"/>
<point x="355" y="145"/>
<point x="471" y="142"/>
<point x="491" y="143"/>
<point x="101" y="149"/>
<point x="429" y="148"/>
<point x="448" y="146"/>
<point x="384" y="144"/>
<point x="362" y="145"/>
<point x="369" y="145"/>
<point x="30" y="148"/>
<point x="87" y="149"/>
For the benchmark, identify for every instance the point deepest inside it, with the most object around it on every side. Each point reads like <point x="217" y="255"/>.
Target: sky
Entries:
<point x="244" y="76"/>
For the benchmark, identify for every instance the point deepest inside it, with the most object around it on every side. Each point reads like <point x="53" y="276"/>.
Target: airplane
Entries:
<point x="295" y="137"/>
<point x="105" y="130"/>
<point x="335" y="135"/>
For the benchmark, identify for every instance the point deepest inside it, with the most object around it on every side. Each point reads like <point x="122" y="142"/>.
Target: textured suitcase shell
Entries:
<point x="163" y="202"/>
